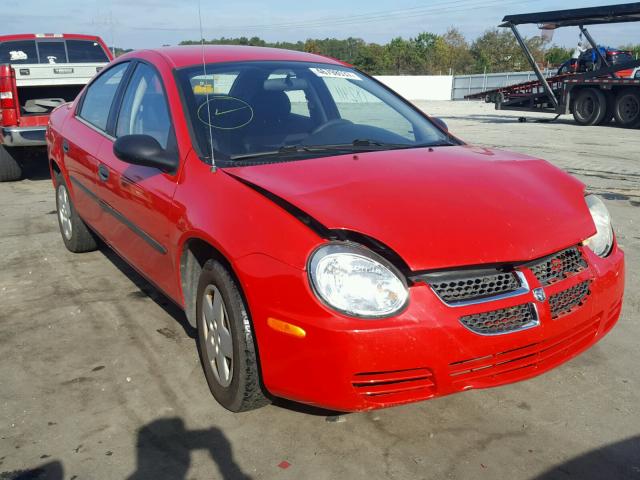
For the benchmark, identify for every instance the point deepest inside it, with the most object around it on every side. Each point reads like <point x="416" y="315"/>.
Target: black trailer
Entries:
<point x="595" y="97"/>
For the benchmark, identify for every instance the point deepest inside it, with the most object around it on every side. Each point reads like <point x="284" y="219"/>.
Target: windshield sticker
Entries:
<point x="332" y="73"/>
<point x="225" y="113"/>
<point x="17" y="55"/>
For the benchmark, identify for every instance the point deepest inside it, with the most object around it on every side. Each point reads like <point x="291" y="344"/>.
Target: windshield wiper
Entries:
<point x="357" y="145"/>
<point x="289" y="149"/>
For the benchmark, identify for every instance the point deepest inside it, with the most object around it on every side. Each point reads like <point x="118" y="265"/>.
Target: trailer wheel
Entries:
<point x="9" y="168"/>
<point x="627" y="108"/>
<point x="589" y="107"/>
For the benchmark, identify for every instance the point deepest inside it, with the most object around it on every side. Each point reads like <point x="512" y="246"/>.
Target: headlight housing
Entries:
<point x="602" y="242"/>
<point x="355" y="281"/>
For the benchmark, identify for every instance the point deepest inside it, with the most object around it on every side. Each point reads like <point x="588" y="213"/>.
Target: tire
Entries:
<point x="589" y="107"/>
<point x="9" y="168"/>
<point x="228" y="356"/>
<point x="77" y="237"/>
<point x="627" y="108"/>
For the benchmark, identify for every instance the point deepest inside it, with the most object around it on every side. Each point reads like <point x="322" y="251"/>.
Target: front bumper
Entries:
<point x="348" y="364"/>
<point x="23" y="136"/>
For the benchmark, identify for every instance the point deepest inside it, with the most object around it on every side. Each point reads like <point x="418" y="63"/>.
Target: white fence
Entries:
<point x="420" y="87"/>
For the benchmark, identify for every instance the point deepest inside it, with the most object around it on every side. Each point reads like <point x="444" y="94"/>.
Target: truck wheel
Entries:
<point x="627" y="108"/>
<point x="225" y="341"/>
<point x="589" y="107"/>
<point x="75" y="234"/>
<point x="9" y="168"/>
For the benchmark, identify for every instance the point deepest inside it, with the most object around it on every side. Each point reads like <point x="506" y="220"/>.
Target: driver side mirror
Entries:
<point x="146" y="151"/>
<point x="441" y="123"/>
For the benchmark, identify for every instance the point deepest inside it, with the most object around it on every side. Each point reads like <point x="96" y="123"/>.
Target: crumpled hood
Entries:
<point x="441" y="207"/>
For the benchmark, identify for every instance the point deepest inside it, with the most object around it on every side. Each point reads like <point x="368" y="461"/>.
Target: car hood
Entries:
<point x="437" y="208"/>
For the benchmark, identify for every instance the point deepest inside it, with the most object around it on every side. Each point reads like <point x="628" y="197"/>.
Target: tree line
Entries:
<point x="427" y="53"/>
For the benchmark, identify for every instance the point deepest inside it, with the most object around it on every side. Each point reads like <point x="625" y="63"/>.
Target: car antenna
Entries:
<point x="206" y="90"/>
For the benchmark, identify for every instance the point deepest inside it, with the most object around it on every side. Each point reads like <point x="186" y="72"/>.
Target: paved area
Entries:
<point x="99" y="376"/>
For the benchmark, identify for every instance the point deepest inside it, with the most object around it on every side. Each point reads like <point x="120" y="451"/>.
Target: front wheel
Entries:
<point x="9" y="168"/>
<point x="225" y="341"/>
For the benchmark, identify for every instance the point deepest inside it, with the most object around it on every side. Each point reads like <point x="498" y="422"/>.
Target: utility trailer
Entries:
<point x="595" y="97"/>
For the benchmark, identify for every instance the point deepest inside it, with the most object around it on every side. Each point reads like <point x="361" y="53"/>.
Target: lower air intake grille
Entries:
<point x="501" y="321"/>
<point x="568" y="300"/>
<point x="394" y="385"/>
<point x="558" y="266"/>
<point x="473" y="285"/>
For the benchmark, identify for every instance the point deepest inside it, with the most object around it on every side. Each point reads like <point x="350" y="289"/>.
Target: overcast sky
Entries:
<point x="151" y="23"/>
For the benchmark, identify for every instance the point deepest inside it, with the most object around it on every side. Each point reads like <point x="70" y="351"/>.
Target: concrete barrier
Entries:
<point x="420" y="87"/>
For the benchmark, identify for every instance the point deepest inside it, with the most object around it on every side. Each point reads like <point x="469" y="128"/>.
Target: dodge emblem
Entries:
<point x="539" y="295"/>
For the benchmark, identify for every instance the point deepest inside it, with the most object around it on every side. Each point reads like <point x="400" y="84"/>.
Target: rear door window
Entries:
<point x="20" y="51"/>
<point x="52" y="52"/>
<point x="85" y="51"/>
<point x="98" y="98"/>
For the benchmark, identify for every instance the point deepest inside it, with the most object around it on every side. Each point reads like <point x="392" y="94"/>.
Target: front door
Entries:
<point x="142" y="197"/>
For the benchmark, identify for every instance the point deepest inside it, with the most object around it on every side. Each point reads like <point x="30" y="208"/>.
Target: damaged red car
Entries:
<point x="331" y="243"/>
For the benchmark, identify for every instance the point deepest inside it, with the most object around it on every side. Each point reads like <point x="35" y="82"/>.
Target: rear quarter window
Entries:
<point x="19" y="51"/>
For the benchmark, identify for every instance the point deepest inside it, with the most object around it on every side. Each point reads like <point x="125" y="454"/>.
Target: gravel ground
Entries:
<point x="100" y="378"/>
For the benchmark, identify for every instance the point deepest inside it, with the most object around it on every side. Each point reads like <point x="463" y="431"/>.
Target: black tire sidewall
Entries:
<point x="618" y="102"/>
<point x="10" y="169"/>
<point x="231" y="397"/>
<point x="599" y="110"/>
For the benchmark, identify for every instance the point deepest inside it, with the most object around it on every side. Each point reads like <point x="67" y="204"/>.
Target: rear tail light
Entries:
<point x="8" y="115"/>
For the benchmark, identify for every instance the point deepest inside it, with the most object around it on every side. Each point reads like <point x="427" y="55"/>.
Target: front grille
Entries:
<point x="501" y="321"/>
<point x="558" y="266"/>
<point x="568" y="300"/>
<point x="473" y="285"/>
<point x="395" y="385"/>
<point x="527" y="360"/>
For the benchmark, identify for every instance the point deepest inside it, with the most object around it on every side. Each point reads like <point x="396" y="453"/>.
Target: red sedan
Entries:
<point x="331" y="243"/>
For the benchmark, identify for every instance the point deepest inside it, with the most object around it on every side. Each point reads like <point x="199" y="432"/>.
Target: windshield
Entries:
<point x="255" y="111"/>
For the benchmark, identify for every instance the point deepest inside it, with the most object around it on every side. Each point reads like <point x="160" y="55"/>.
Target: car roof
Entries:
<point x="47" y="36"/>
<point x="189" y="55"/>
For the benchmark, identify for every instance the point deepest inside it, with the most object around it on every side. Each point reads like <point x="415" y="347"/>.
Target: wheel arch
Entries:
<point x="194" y="253"/>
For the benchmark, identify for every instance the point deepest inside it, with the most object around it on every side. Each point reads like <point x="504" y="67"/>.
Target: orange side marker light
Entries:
<point x="286" y="327"/>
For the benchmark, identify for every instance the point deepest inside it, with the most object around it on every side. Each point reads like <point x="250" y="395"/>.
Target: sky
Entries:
<point x="153" y="23"/>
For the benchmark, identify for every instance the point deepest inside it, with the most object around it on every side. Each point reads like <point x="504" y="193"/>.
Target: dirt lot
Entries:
<point x="99" y="376"/>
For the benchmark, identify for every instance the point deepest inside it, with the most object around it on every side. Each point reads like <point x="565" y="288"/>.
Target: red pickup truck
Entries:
<point x="39" y="72"/>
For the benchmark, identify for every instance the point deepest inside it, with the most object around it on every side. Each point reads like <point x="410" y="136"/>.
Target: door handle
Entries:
<point x="65" y="146"/>
<point x="103" y="172"/>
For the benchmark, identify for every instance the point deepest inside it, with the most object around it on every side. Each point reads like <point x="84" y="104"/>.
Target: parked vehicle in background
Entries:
<point x="589" y="60"/>
<point x="39" y="72"/>
<point x="344" y="249"/>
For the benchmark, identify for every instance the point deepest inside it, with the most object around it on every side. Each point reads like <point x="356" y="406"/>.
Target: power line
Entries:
<point x="413" y="12"/>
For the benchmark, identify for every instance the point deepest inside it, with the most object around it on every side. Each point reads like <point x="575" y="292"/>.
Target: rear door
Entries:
<point x="83" y="134"/>
<point x="142" y="197"/>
